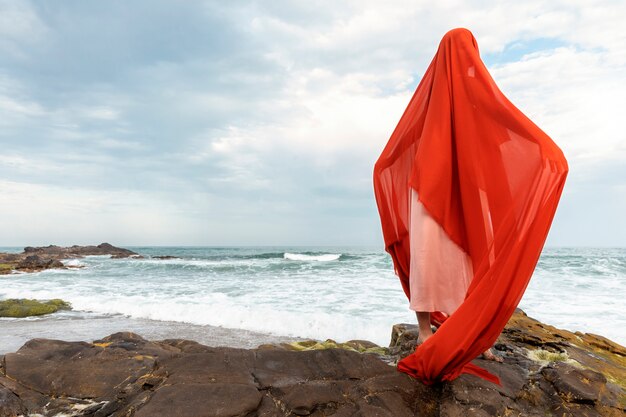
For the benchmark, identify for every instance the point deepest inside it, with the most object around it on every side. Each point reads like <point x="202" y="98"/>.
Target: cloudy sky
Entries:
<point x="258" y="122"/>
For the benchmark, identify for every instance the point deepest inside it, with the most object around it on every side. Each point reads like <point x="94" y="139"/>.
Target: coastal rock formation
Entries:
<point x="76" y="251"/>
<point x="126" y="375"/>
<point x="37" y="263"/>
<point x="34" y="259"/>
<point x="23" y="307"/>
<point x="546" y="372"/>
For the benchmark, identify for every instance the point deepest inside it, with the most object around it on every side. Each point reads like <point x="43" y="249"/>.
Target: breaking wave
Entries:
<point x="319" y="258"/>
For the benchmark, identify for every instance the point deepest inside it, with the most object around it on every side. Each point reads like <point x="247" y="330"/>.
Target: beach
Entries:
<point x="71" y="326"/>
<point x="157" y="331"/>
<point x="238" y="296"/>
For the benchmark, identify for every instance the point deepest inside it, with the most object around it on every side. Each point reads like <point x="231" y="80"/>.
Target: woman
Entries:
<point x="466" y="189"/>
<point x="440" y="271"/>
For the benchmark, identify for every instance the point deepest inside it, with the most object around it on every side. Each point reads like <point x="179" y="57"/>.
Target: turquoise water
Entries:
<point x="319" y="292"/>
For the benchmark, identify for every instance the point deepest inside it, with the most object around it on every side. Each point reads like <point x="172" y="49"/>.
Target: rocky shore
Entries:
<point x="546" y="372"/>
<point x="34" y="259"/>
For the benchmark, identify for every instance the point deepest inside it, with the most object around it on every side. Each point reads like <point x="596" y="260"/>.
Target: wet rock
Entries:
<point x="34" y="259"/>
<point x="583" y="386"/>
<point x="210" y="400"/>
<point x="126" y="375"/>
<point x="23" y="307"/>
<point x="362" y="346"/>
<point x="403" y="339"/>
<point x="545" y="371"/>
<point x="10" y="404"/>
<point x="79" y="251"/>
<point x="34" y="263"/>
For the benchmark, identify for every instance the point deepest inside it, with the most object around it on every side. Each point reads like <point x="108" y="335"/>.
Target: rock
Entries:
<point x="24" y="307"/>
<point x="34" y="259"/>
<point x="583" y="386"/>
<point x="6" y="268"/>
<point x="403" y="339"/>
<point x="79" y="251"/>
<point x="210" y="400"/>
<point x="10" y="404"/>
<point x="165" y="257"/>
<point x="34" y="263"/>
<point x="545" y="371"/>
<point x="126" y="375"/>
<point x="362" y="346"/>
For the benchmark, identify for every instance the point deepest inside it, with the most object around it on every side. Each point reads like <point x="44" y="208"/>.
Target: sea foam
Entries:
<point x="341" y="293"/>
<point x="304" y="257"/>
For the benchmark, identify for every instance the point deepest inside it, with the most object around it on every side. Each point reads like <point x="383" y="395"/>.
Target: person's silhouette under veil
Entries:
<point x="466" y="189"/>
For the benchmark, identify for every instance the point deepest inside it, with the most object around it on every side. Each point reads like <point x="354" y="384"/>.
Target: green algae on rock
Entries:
<point x="361" y="346"/>
<point x="24" y="307"/>
<point x="126" y="375"/>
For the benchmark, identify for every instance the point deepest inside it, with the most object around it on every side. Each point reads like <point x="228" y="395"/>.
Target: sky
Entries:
<point x="259" y="122"/>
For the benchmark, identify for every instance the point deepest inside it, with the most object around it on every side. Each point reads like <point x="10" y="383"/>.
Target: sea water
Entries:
<point x="306" y="292"/>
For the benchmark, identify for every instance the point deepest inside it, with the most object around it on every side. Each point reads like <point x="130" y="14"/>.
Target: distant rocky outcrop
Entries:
<point x="37" y="263"/>
<point x="546" y="372"/>
<point x="80" y="251"/>
<point x="34" y="259"/>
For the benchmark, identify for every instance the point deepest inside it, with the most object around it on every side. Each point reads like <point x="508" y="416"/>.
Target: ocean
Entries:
<point x="245" y="296"/>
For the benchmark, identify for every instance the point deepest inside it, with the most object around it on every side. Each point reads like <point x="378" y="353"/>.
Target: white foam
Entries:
<point x="303" y="257"/>
<point x="201" y="263"/>
<point x="294" y="294"/>
<point x="219" y="310"/>
<point x="315" y="311"/>
<point x="73" y="263"/>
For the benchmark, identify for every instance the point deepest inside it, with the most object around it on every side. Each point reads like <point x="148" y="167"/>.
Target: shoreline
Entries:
<point x="355" y="297"/>
<point x="75" y="326"/>
<point x="545" y="371"/>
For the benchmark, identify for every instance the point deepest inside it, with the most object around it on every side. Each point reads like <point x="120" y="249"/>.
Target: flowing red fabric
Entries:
<point x="490" y="177"/>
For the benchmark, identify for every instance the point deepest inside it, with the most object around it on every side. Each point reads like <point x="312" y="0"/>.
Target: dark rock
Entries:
<point x="10" y="404"/>
<point x="33" y="263"/>
<point x="578" y="385"/>
<point x="545" y="371"/>
<point x="165" y="257"/>
<point x="125" y="375"/>
<point x="34" y="259"/>
<point x="10" y="257"/>
<point x="403" y="339"/>
<point x="79" y="251"/>
<point x="210" y="400"/>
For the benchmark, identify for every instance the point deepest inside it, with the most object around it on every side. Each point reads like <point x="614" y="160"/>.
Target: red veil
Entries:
<point x="490" y="177"/>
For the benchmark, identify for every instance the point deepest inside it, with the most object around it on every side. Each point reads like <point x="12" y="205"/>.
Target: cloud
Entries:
<point x="259" y="122"/>
<point x="19" y="26"/>
<point x="575" y="95"/>
<point x="77" y="215"/>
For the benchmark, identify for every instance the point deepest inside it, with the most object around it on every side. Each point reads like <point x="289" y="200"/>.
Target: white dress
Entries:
<point x="440" y="271"/>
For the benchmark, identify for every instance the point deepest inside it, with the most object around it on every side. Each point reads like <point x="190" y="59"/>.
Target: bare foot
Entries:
<point x="490" y="356"/>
